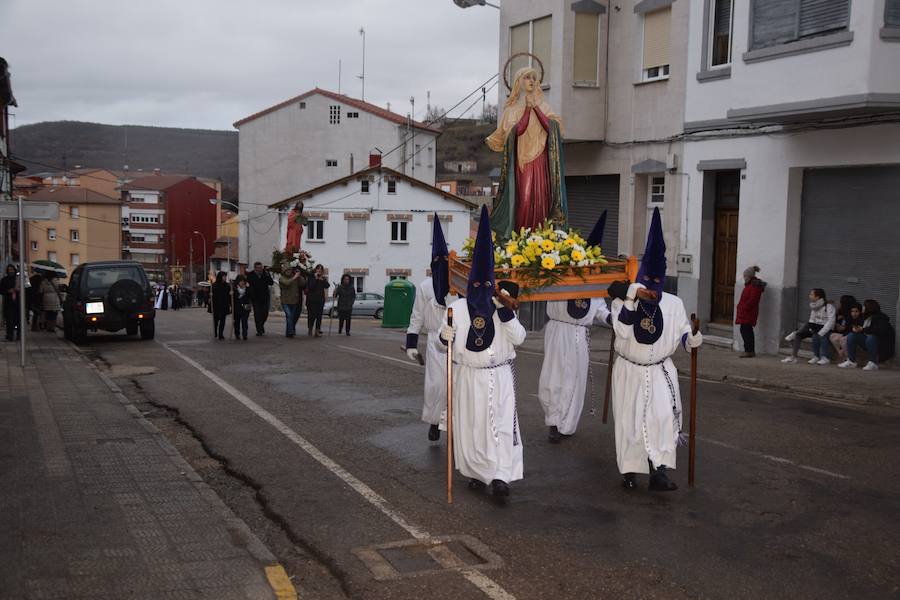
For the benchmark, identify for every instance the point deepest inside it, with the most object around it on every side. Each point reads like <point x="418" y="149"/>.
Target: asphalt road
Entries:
<point x="794" y="499"/>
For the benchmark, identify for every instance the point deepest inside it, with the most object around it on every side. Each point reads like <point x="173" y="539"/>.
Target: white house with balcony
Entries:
<point x="313" y="139"/>
<point x="792" y="154"/>
<point x="616" y="77"/>
<point x="375" y="225"/>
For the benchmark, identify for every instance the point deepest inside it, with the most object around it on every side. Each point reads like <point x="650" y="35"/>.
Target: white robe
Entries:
<point x="646" y="399"/>
<point x="566" y="367"/>
<point x="484" y="401"/>
<point x="428" y="316"/>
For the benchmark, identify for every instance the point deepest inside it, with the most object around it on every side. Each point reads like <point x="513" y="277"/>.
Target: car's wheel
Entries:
<point x="79" y="334"/>
<point x="126" y="295"/>
<point x="131" y="329"/>
<point x="148" y="329"/>
<point x="379" y="313"/>
<point x="67" y="328"/>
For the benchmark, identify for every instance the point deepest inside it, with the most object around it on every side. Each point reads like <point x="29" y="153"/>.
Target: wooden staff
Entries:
<point x="692" y="442"/>
<point x="450" y="411"/>
<point x="609" y="371"/>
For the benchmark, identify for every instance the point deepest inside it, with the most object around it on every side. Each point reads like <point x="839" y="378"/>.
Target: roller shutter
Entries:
<point x="588" y="197"/>
<point x="850" y="223"/>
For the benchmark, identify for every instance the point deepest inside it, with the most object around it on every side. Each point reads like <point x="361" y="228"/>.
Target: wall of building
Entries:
<point x="378" y="254"/>
<point x="188" y="209"/>
<point x="284" y="153"/>
<point x="99" y="235"/>
<point x="769" y="217"/>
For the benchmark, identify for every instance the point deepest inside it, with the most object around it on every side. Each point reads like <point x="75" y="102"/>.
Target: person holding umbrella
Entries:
<point x="51" y="300"/>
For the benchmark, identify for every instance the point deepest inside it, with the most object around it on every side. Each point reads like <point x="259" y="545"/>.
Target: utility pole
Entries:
<point x="412" y="102"/>
<point x="339" y="76"/>
<point x="362" y="32"/>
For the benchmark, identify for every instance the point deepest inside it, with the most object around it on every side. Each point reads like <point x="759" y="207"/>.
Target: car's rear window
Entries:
<point x="98" y="281"/>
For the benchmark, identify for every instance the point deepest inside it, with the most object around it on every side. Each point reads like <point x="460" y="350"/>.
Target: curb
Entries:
<point x="275" y="574"/>
<point x="860" y="399"/>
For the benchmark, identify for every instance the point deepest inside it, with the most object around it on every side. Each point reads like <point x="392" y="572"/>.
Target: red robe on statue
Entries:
<point x="294" y="232"/>
<point x="532" y="179"/>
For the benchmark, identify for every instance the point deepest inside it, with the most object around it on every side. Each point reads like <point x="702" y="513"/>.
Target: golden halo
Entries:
<point x="517" y="54"/>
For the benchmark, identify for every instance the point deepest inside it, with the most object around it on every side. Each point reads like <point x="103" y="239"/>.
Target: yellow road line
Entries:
<point x="281" y="583"/>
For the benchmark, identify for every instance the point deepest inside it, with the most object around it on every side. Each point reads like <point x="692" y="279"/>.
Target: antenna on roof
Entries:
<point x="362" y="32"/>
<point x="339" y="76"/>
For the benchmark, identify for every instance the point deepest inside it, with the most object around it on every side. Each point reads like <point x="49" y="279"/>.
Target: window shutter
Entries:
<point x="657" y="26"/>
<point x="892" y="13"/>
<point x="774" y="22"/>
<point x="723" y="18"/>
<point x="587" y="38"/>
<point x="518" y="42"/>
<point x="540" y="45"/>
<point x="818" y="16"/>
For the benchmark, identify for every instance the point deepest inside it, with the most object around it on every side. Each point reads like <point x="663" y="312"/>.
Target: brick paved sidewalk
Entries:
<point x="95" y="503"/>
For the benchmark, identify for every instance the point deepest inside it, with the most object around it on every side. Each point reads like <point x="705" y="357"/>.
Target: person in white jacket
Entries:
<point x="650" y="325"/>
<point x="821" y="321"/>
<point x="566" y="367"/>
<point x="487" y="441"/>
<point x="432" y="296"/>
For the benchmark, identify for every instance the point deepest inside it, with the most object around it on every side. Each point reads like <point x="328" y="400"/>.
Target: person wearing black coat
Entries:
<point x="11" y="298"/>
<point x="259" y="281"/>
<point x="240" y="301"/>
<point x="875" y="334"/>
<point x="345" y="295"/>
<point x="221" y="304"/>
<point x="316" y="287"/>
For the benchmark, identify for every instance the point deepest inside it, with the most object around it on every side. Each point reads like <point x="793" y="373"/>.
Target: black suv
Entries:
<point x="110" y="295"/>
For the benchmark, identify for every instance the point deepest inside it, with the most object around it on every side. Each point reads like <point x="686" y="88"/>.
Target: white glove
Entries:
<point x="694" y="341"/>
<point x="413" y="354"/>
<point x="448" y="333"/>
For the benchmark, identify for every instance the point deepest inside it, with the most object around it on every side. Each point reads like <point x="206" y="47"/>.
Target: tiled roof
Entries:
<point x="72" y="195"/>
<point x="378" y="168"/>
<point x="347" y="100"/>
<point x="154" y="182"/>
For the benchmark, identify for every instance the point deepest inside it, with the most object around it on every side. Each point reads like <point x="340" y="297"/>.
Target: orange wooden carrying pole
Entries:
<point x="450" y="412"/>
<point x="692" y="442"/>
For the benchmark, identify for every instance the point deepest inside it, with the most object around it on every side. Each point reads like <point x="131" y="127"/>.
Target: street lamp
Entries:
<point x="205" y="261"/>
<point x="215" y="201"/>
<point x="471" y="3"/>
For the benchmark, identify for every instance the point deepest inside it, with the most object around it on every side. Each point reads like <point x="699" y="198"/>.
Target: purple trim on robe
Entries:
<point x="412" y="340"/>
<point x="506" y="314"/>
<point x="575" y="312"/>
<point x="626" y="316"/>
<point x="641" y="335"/>
<point x="684" y="341"/>
<point x="609" y="319"/>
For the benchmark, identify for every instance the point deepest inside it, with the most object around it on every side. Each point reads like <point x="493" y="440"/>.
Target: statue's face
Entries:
<point x="529" y="82"/>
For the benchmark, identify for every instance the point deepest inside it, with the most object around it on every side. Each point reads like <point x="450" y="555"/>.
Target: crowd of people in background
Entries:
<point x="43" y="297"/>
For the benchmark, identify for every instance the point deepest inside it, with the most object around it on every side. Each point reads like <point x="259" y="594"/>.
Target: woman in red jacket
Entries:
<point x="748" y="309"/>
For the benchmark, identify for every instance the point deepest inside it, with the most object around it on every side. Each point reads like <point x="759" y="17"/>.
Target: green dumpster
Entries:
<point x="399" y="296"/>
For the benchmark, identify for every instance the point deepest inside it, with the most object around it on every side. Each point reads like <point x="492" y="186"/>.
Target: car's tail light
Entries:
<point x="140" y="315"/>
<point x="93" y="319"/>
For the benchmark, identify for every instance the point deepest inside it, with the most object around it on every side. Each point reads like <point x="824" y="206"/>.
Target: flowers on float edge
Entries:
<point x="548" y="263"/>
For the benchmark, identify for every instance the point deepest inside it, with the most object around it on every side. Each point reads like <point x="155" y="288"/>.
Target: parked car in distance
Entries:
<point x="109" y="296"/>
<point x="367" y="303"/>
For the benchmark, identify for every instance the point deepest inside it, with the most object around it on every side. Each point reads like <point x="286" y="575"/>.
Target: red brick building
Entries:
<point x="159" y="217"/>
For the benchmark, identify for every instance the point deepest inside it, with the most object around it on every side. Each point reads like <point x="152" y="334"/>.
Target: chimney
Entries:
<point x="375" y="160"/>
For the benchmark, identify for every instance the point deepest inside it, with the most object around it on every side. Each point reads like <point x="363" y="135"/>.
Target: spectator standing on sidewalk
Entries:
<point x="748" y="309"/>
<point x="316" y="287"/>
<point x="345" y="296"/>
<point x="842" y="325"/>
<point x="242" y="307"/>
<point x="9" y="289"/>
<point x="820" y="324"/>
<point x="259" y="281"/>
<point x="221" y="304"/>
<point x="289" y="282"/>
<point x="51" y="299"/>
<point x="35" y="301"/>
<point x="875" y="334"/>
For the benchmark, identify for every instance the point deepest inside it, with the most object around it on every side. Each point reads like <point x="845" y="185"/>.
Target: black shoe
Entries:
<point x="348" y="334"/>
<point x="554" y="436"/>
<point x="434" y="433"/>
<point x="258" y="333"/>
<point x="476" y="485"/>
<point x="499" y="488"/>
<point x="245" y="338"/>
<point x="659" y="481"/>
<point x="221" y="337"/>
<point x="628" y="481"/>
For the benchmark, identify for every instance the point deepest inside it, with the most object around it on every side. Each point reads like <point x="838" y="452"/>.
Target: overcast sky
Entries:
<point x="207" y="63"/>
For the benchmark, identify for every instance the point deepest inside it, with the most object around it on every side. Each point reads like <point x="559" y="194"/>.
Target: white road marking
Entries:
<point x="481" y="581"/>
<point x="407" y="363"/>
<point x="775" y="459"/>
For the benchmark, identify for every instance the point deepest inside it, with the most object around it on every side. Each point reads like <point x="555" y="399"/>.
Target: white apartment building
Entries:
<point x="616" y="77"/>
<point x="310" y="140"/>
<point x="376" y="225"/>
<point x="793" y="156"/>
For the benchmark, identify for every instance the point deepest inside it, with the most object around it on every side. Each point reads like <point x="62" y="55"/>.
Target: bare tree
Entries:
<point x="489" y="114"/>
<point x="435" y="116"/>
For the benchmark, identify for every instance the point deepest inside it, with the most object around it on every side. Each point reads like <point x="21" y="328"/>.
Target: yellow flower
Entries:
<point x="529" y="253"/>
<point x="548" y="263"/>
<point x="569" y="242"/>
<point x="547" y="245"/>
<point x="517" y="260"/>
<point x="577" y="256"/>
<point x="511" y="248"/>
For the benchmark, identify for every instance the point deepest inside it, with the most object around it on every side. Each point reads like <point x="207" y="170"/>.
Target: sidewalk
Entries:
<point x="95" y="503"/>
<point x="767" y="372"/>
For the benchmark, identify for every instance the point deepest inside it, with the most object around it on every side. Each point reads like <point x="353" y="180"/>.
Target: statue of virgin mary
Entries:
<point x="532" y="180"/>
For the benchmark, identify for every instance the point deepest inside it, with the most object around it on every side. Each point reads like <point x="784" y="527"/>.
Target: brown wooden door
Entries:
<point x="725" y="265"/>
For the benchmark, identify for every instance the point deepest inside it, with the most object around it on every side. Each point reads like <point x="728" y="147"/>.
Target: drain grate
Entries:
<point x="413" y="558"/>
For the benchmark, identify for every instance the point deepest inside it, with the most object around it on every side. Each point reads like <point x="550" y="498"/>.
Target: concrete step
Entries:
<point x="718" y="340"/>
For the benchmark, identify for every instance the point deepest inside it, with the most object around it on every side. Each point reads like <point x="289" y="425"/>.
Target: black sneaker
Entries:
<point x="554" y="436"/>
<point x="476" y="485"/>
<point x="659" y="481"/>
<point x="434" y="433"/>
<point x="629" y="482"/>
<point x="499" y="488"/>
